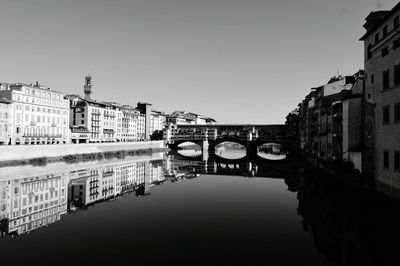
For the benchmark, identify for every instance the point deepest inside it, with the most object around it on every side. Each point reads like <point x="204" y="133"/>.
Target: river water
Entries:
<point x="189" y="209"/>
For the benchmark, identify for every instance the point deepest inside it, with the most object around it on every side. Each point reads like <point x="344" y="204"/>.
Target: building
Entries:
<point x="145" y="109"/>
<point x="5" y="112"/>
<point x="329" y="126"/>
<point x="292" y="123"/>
<point x="188" y="118"/>
<point x="39" y="115"/>
<point x="92" y="121"/>
<point x="382" y="89"/>
<point x="158" y="122"/>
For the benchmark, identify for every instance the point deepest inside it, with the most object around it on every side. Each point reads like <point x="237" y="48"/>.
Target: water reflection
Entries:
<point x="29" y="201"/>
<point x="271" y="151"/>
<point x="349" y="226"/>
<point x="344" y="224"/>
<point x="230" y="150"/>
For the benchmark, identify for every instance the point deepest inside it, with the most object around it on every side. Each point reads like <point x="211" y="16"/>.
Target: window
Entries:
<point x="372" y="78"/>
<point x="397" y="74"/>
<point x="385" y="79"/>
<point x="376" y="37"/>
<point x="397" y="113"/>
<point x="386" y="159"/>
<point x="385" y="30"/>
<point x="385" y="51"/>
<point x="397" y="161"/>
<point x="386" y="114"/>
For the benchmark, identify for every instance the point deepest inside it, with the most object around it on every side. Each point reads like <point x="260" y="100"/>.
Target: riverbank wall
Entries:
<point x="24" y="152"/>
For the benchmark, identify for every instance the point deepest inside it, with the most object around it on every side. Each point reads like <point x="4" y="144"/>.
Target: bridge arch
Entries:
<point x="272" y="151"/>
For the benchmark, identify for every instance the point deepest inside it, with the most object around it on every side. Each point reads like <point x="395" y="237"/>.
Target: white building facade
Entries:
<point x="39" y="115"/>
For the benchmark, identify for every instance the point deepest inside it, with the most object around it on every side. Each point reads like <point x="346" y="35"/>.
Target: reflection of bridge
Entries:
<point x="241" y="167"/>
<point x="208" y="136"/>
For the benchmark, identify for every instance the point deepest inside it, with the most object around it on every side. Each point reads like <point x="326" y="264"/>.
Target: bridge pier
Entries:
<point x="204" y="146"/>
<point x="251" y="149"/>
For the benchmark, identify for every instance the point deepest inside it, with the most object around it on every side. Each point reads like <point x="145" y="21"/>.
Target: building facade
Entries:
<point x="158" y="122"/>
<point x="5" y="121"/>
<point x="188" y="118"/>
<point x="39" y="115"/>
<point x="330" y="129"/>
<point x="382" y="89"/>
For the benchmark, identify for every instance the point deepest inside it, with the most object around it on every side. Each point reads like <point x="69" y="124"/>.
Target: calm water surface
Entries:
<point x="187" y="210"/>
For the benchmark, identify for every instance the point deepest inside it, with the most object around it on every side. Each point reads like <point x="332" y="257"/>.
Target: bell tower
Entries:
<point x="87" y="88"/>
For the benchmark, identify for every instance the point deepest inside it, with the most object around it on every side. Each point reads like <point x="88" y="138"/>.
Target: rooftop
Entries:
<point x="376" y="19"/>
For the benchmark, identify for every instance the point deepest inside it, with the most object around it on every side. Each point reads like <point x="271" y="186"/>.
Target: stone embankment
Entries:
<point x="25" y="152"/>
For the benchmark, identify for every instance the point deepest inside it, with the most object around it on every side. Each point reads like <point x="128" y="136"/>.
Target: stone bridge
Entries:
<point x="208" y="136"/>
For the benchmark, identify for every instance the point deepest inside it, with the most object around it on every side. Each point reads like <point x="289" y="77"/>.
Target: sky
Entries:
<point x="238" y="61"/>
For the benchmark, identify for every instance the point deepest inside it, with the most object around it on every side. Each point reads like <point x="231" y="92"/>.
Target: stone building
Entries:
<point x="158" y="122"/>
<point x="330" y="124"/>
<point x="5" y="119"/>
<point x="382" y="90"/>
<point x="39" y="115"/>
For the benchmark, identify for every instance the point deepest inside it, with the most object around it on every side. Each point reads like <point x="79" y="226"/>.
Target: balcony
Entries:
<point x="53" y="124"/>
<point x="42" y="135"/>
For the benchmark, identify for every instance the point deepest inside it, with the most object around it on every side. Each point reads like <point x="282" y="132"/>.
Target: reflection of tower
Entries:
<point x="87" y="88"/>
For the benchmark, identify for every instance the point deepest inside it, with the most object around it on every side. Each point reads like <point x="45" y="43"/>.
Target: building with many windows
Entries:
<point x="331" y="124"/>
<point x="158" y="122"/>
<point x="32" y="202"/>
<point x="5" y="112"/>
<point x="188" y="118"/>
<point x="39" y="115"/>
<point x="382" y="89"/>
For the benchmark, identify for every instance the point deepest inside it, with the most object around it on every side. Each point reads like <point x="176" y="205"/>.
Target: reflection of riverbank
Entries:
<point x="350" y="227"/>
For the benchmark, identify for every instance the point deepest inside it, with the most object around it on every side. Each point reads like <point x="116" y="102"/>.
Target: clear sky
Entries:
<point x="238" y="61"/>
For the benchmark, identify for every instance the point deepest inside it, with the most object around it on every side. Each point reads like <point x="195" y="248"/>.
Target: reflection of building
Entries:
<point x="30" y="203"/>
<point x="382" y="89"/>
<point x="39" y="116"/>
<point x="27" y="203"/>
<point x="100" y="183"/>
<point x="347" y="226"/>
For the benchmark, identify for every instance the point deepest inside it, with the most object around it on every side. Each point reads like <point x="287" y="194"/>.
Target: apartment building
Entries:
<point x="382" y="89"/>
<point x="5" y="121"/>
<point x="39" y="115"/>
<point x="188" y="118"/>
